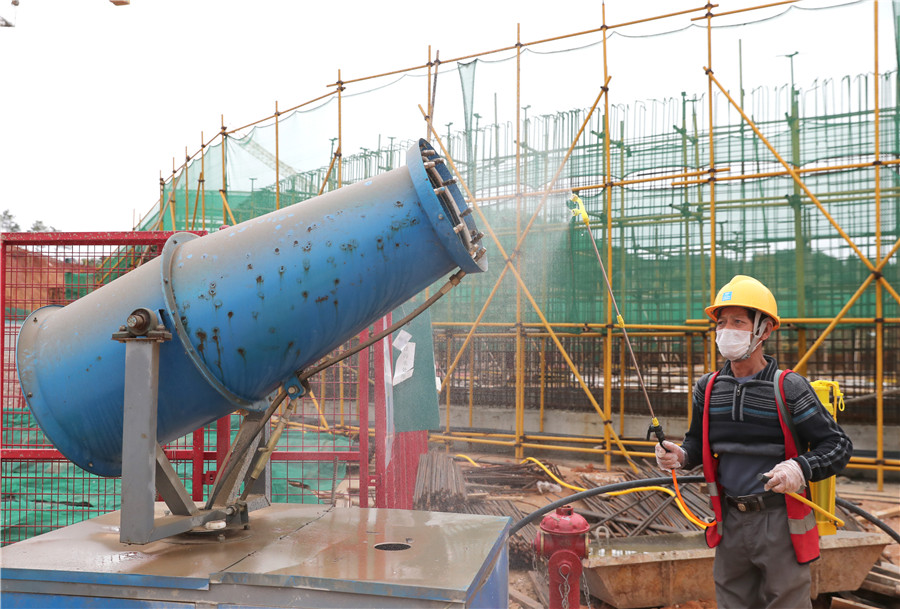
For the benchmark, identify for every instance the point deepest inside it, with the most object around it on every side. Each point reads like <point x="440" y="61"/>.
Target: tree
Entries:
<point x="8" y="222"/>
<point x="40" y="227"/>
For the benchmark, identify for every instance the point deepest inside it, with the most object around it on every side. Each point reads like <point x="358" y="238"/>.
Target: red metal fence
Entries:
<point x="322" y="457"/>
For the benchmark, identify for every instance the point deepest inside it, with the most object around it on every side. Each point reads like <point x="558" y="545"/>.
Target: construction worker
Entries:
<point x="753" y="451"/>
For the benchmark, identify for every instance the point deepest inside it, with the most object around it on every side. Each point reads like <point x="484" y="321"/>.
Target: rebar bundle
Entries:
<point x="440" y="485"/>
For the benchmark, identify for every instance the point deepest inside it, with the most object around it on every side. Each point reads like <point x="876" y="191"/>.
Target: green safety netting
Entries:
<point x="766" y="226"/>
<point x="40" y="496"/>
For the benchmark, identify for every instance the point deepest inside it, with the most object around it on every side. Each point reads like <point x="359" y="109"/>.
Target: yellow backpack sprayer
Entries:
<point x="823" y="491"/>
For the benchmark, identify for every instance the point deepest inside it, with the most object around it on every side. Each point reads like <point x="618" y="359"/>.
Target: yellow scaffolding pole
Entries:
<point x="227" y="208"/>
<point x="277" y="162"/>
<point x="187" y="189"/>
<point x="223" y="191"/>
<point x="712" y="173"/>
<point x="202" y="182"/>
<point x="340" y="146"/>
<point x="879" y="297"/>
<point x="520" y="338"/>
<point x="172" y="196"/>
<point x="607" y="344"/>
<point x="162" y="205"/>
<point x="196" y="201"/>
<point x="334" y="157"/>
<point x="776" y="174"/>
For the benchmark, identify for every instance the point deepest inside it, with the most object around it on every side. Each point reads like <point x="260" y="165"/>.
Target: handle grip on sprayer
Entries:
<point x="656" y="429"/>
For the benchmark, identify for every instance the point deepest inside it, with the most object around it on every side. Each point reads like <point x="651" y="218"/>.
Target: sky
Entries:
<point x="96" y="100"/>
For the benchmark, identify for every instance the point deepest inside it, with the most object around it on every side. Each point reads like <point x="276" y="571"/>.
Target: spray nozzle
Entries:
<point x="657" y="430"/>
<point x="576" y="206"/>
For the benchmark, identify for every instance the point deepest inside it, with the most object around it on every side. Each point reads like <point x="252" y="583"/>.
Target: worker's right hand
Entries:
<point x="669" y="456"/>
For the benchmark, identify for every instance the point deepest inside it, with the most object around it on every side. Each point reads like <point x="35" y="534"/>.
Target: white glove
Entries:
<point x="669" y="456"/>
<point x="786" y="477"/>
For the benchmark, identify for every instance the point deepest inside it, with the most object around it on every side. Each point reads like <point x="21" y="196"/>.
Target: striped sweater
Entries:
<point x="744" y="425"/>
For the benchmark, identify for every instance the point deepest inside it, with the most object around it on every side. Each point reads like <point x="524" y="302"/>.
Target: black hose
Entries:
<point x="878" y="523"/>
<point x="609" y="488"/>
<point x="621" y="486"/>
<point x="452" y="281"/>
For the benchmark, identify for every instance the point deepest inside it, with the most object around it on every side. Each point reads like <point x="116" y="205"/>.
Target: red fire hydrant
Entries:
<point x="564" y="539"/>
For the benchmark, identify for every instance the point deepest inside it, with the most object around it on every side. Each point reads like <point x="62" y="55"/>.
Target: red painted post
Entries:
<point x="223" y="440"/>
<point x="362" y="403"/>
<point x="563" y="537"/>
<point x="384" y="436"/>
<point x="199" y="447"/>
<point x="4" y="367"/>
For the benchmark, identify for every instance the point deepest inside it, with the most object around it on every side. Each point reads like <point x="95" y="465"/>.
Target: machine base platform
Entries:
<point x="292" y="555"/>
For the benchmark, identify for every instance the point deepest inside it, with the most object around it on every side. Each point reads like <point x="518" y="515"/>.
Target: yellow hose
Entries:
<point x="577" y="489"/>
<point x="469" y="459"/>
<point x="818" y="509"/>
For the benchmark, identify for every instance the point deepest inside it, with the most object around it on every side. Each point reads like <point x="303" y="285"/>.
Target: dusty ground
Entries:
<point x="521" y="581"/>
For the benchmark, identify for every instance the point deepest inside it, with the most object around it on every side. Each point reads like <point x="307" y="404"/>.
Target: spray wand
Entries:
<point x="576" y="206"/>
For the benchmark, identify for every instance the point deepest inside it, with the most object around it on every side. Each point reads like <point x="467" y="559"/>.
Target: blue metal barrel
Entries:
<point x="248" y="307"/>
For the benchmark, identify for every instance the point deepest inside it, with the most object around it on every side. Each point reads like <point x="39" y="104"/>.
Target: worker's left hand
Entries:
<point x="786" y="477"/>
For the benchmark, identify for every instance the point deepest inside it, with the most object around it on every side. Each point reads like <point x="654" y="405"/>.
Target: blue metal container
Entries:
<point x="248" y="307"/>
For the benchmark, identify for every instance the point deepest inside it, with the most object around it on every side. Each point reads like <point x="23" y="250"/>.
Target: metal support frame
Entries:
<point x="146" y="470"/>
<point x="251" y="439"/>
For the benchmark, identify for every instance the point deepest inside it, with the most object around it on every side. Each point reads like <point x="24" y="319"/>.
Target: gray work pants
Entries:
<point x="755" y="565"/>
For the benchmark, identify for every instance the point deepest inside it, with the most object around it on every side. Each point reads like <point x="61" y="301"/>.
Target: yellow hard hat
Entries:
<point x="744" y="291"/>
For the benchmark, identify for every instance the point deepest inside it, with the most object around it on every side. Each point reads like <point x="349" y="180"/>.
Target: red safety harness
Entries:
<point x="801" y="520"/>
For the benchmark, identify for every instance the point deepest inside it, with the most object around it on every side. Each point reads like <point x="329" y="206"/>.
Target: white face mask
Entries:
<point x="734" y="344"/>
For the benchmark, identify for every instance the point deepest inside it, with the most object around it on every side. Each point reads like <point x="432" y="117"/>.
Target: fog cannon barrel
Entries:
<point x="247" y="306"/>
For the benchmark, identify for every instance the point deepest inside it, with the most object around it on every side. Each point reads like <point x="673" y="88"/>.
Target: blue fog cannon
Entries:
<point x="241" y="312"/>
